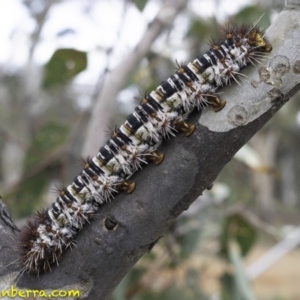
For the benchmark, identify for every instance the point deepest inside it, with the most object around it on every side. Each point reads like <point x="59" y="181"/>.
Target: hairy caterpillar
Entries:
<point x="160" y="115"/>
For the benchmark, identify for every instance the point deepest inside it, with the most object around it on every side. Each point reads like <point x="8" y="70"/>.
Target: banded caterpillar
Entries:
<point x="160" y="115"/>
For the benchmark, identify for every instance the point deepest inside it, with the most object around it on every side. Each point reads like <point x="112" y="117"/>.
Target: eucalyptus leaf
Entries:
<point x="63" y="66"/>
<point x="140" y="4"/>
<point x="237" y="228"/>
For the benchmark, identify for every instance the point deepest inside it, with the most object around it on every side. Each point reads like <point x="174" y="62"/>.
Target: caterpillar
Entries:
<point x="160" y="115"/>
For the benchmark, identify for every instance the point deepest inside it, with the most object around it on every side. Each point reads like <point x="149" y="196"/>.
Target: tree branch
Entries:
<point x="102" y="257"/>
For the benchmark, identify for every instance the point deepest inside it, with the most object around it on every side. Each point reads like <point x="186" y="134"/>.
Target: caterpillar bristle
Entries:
<point x="228" y="31"/>
<point x="214" y="43"/>
<point x="159" y="115"/>
<point x="41" y="216"/>
<point x="84" y="163"/>
<point x="26" y="238"/>
<point x="243" y="30"/>
<point x="179" y="66"/>
<point x="59" y="189"/>
<point x="111" y="131"/>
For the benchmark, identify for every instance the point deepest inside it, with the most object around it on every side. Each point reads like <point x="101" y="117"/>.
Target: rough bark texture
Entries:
<point x="102" y="257"/>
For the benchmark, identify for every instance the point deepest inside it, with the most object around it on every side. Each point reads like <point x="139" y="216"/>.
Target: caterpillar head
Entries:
<point x="256" y="38"/>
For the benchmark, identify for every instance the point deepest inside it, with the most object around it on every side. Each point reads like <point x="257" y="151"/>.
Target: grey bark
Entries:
<point x="102" y="257"/>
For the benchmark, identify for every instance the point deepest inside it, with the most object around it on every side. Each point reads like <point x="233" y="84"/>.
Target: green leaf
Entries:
<point x="48" y="137"/>
<point x="140" y="4"/>
<point x="189" y="242"/>
<point x="63" y="66"/>
<point x="242" y="287"/>
<point x="237" y="228"/>
<point x="250" y="14"/>
<point x="228" y="289"/>
<point x="40" y="162"/>
<point x="236" y="286"/>
<point x="200" y="29"/>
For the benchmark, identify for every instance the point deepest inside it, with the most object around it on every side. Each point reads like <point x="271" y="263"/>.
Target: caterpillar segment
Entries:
<point x="160" y="115"/>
